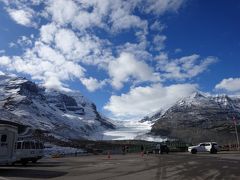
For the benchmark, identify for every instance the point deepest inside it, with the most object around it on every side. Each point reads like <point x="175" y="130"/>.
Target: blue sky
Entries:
<point x="130" y="57"/>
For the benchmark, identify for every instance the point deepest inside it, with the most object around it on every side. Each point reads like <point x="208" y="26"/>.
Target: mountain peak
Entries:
<point x="207" y="115"/>
<point x="66" y="115"/>
<point x="197" y="95"/>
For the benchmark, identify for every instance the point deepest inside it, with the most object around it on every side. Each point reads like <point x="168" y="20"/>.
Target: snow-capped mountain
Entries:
<point x="199" y="118"/>
<point x="63" y="115"/>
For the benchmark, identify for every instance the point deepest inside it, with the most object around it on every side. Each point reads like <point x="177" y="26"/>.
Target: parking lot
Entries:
<point x="131" y="166"/>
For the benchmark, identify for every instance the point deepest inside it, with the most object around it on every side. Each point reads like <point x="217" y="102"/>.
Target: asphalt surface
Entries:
<point x="130" y="167"/>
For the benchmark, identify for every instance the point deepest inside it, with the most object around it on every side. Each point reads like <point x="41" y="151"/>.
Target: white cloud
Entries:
<point x="62" y="11"/>
<point x="24" y="41"/>
<point x="158" y="41"/>
<point x="157" y="26"/>
<point x="122" y="19"/>
<point x="53" y="82"/>
<point x="138" y="50"/>
<point x="47" y="33"/>
<point x="22" y="16"/>
<point x="126" y="67"/>
<point x="67" y="42"/>
<point x="140" y="101"/>
<point x="46" y="64"/>
<point x="4" y="60"/>
<point x="92" y="84"/>
<point x="183" y="68"/>
<point x="160" y="7"/>
<point x="230" y="84"/>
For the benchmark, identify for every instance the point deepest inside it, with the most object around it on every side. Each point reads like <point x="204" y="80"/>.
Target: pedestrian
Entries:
<point x="142" y="150"/>
<point x="123" y="150"/>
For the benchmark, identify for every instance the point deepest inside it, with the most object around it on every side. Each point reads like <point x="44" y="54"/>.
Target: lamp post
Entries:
<point x="236" y="131"/>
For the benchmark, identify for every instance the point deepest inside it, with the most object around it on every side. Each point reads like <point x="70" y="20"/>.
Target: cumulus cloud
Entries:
<point x="47" y="33"/>
<point x="67" y="42"/>
<point x="183" y="68"/>
<point x="143" y="100"/>
<point x="46" y="64"/>
<point x="4" y="60"/>
<point x="62" y="12"/>
<point x="230" y="84"/>
<point x="126" y="67"/>
<point x="92" y="84"/>
<point x="22" y="16"/>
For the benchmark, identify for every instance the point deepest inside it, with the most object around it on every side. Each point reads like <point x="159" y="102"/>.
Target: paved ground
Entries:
<point x="130" y="167"/>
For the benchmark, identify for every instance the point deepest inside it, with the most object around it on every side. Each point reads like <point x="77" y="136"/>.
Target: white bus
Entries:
<point x="29" y="150"/>
<point x="8" y="137"/>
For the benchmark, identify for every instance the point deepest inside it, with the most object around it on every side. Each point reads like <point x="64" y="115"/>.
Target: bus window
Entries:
<point x="41" y="145"/>
<point x="32" y="145"/>
<point x="19" y="145"/>
<point x="37" y="145"/>
<point x="26" y="145"/>
<point x="4" y="138"/>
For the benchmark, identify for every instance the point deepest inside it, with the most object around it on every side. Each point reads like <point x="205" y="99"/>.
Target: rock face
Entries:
<point x="200" y="118"/>
<point x="63" y="115"/>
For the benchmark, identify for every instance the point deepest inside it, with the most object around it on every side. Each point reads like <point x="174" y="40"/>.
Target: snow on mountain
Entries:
<point x="199" y="117"/>
<point x="199" y="99"/>
<point x="127" y="129"/>
<point x="67" y="115"/>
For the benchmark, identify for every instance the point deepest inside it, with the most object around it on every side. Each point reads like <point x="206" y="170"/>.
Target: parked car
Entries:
<point x="8" y="136"/>
<point x="29" y="150"/>
<point x="211" y="147"/>
<point x="161" y="148"/>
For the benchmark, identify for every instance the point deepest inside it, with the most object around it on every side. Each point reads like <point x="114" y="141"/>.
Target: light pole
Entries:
<point x="236" y="131"/>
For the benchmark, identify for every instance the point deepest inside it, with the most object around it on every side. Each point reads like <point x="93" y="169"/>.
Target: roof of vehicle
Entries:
<point x="35" y="141"/>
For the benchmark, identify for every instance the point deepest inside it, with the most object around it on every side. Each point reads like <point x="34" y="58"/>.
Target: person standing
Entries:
<point x="123" y="150"/>
<point x="142" y="150"/>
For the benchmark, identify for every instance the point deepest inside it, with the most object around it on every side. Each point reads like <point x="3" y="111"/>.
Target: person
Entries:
<point x="127" y="149"/>
<point x="157" y="149"/>
<point x="142" y="150"/>
<point x="123" y="149"/>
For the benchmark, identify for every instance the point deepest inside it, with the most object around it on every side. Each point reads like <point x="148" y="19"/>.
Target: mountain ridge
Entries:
<point x="67" y="115"/>
<point x="198" y="118"/>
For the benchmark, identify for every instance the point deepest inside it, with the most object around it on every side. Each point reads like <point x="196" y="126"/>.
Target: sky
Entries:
<point x="130" y="57"/>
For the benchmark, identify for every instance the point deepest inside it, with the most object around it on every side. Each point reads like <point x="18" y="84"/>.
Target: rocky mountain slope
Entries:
<point x="199" y="118"/>
<point x="62" y="115"/>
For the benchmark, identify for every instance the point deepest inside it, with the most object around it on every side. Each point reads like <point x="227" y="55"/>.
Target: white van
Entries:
<point x="8" y="137"/>
<point x="29" y="150"/>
